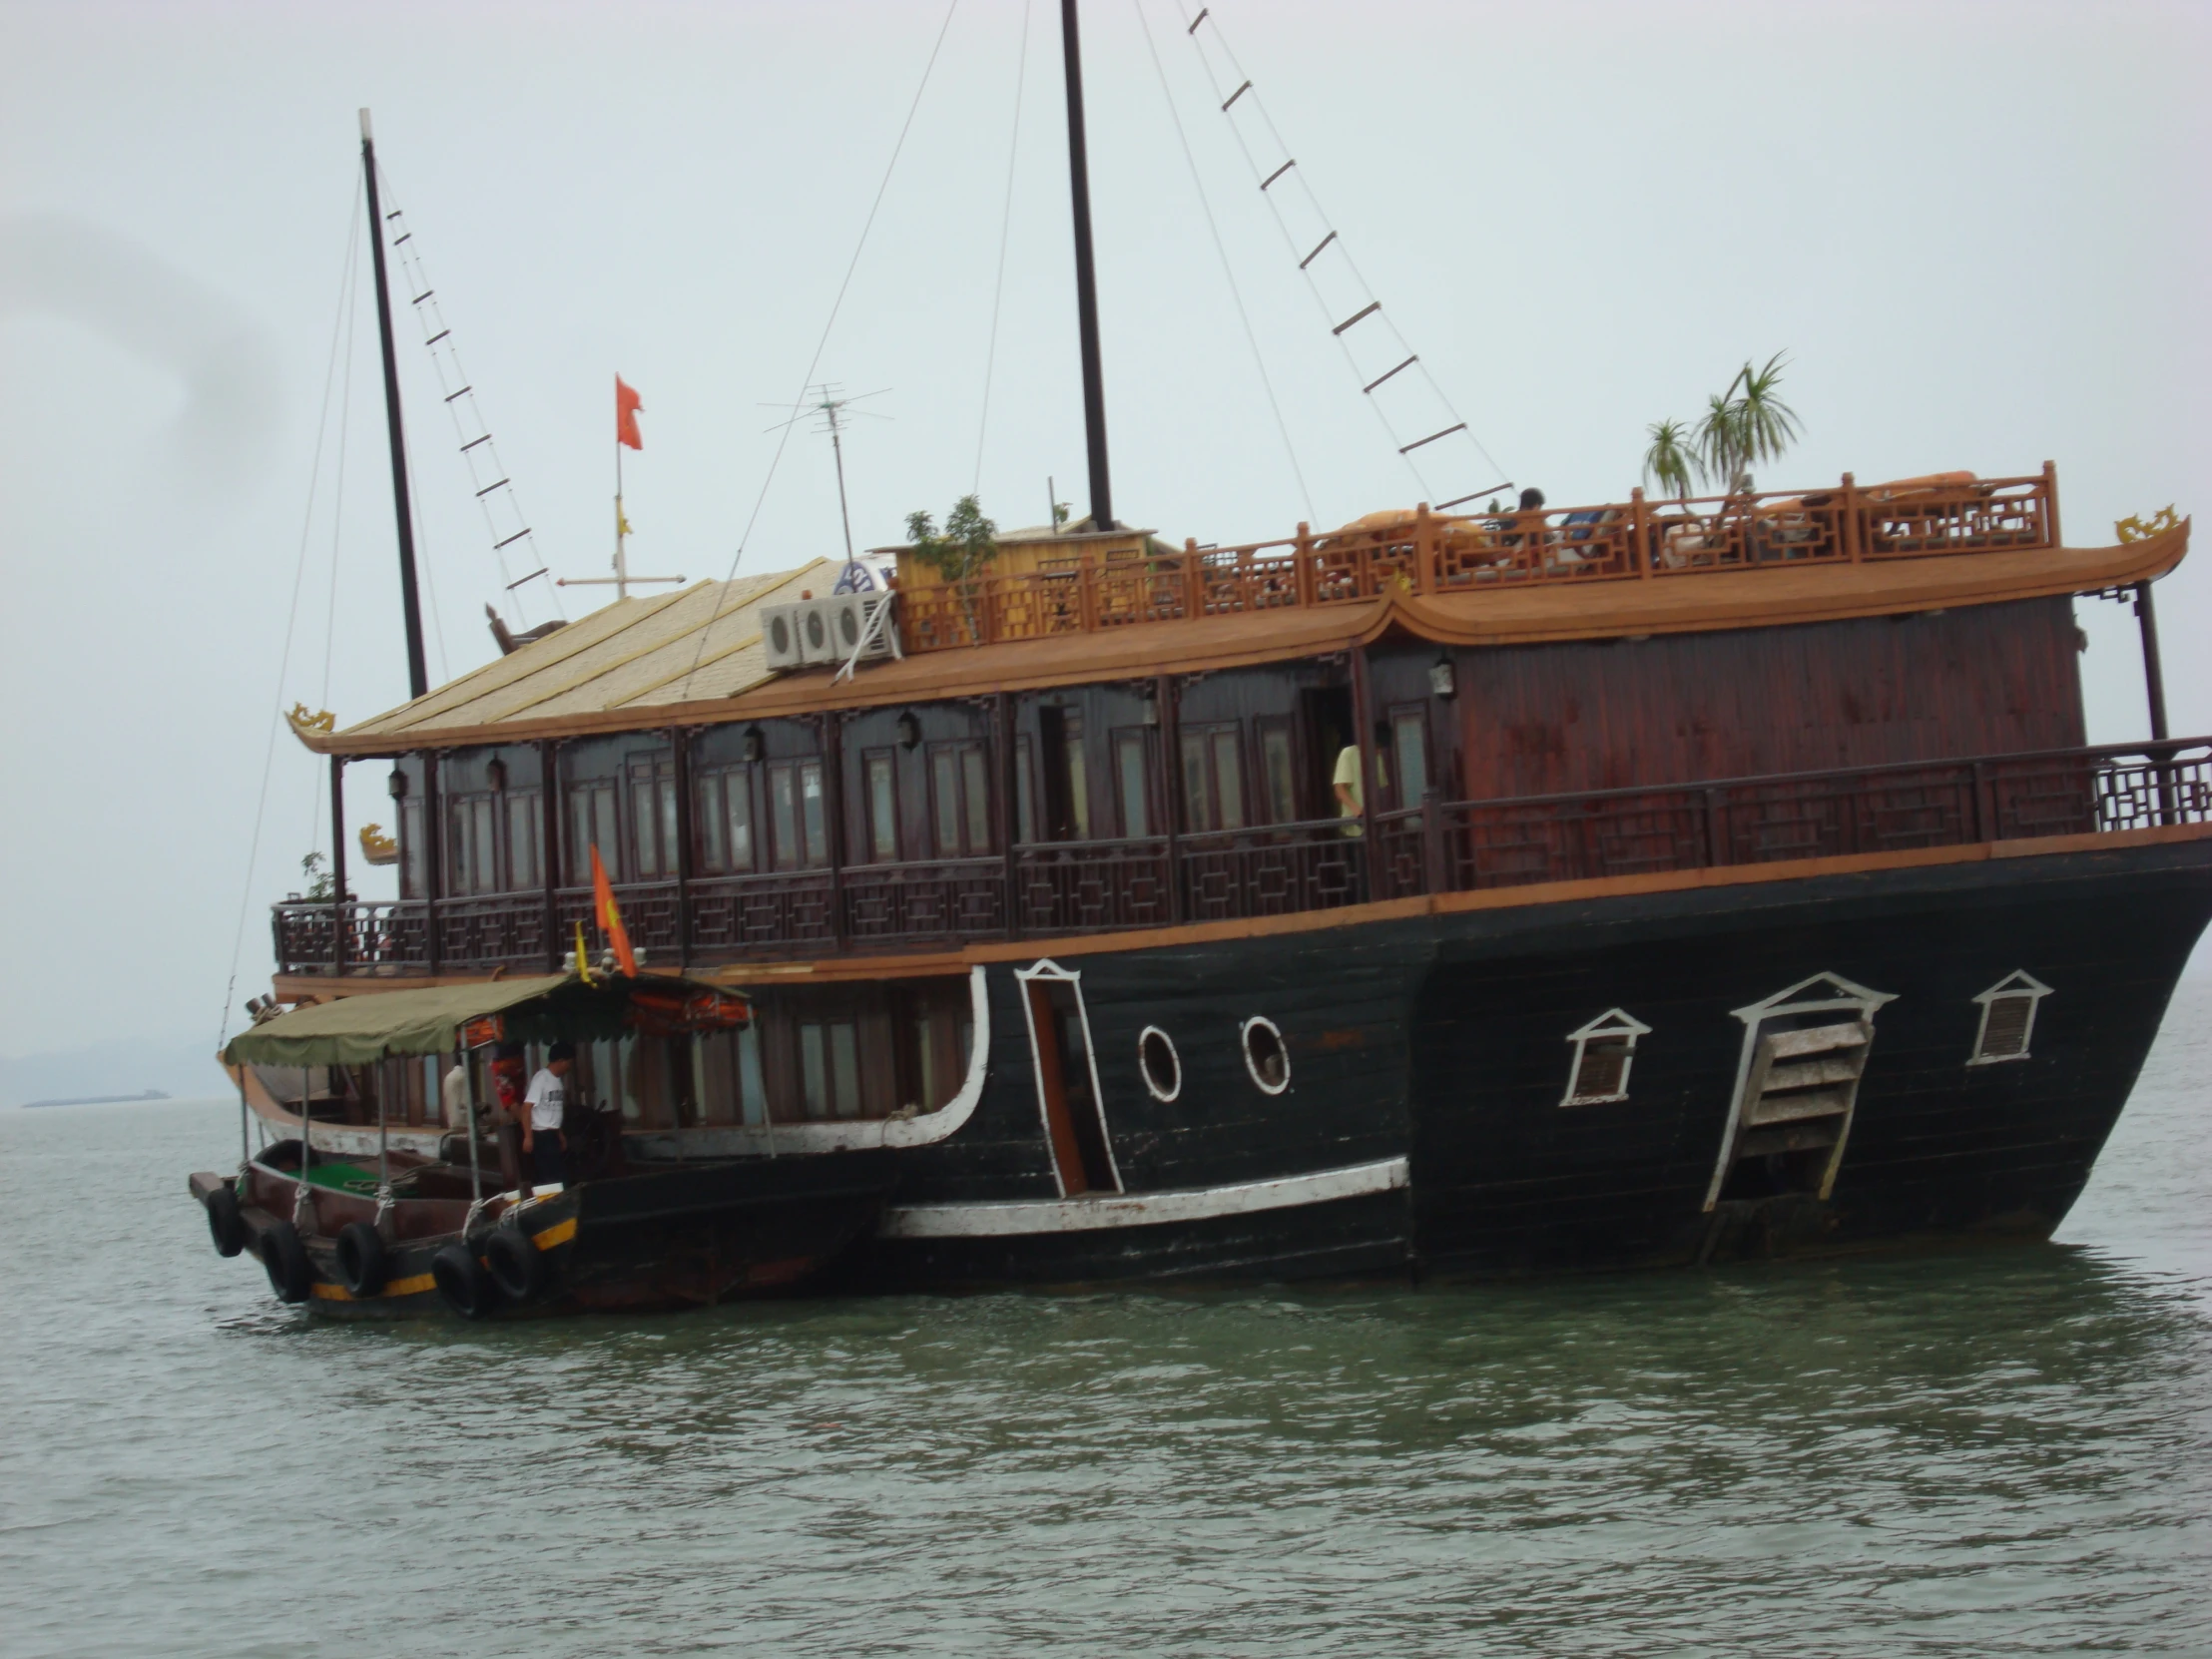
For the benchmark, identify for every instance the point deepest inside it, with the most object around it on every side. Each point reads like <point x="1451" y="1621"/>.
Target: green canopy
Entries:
<point x="355" y="1030"/>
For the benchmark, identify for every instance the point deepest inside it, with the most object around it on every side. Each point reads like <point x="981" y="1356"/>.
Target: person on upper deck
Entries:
<point x="542" y="1140"/>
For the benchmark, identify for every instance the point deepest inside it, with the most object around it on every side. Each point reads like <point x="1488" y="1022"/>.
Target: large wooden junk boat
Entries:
<point x="1633" y="884"/>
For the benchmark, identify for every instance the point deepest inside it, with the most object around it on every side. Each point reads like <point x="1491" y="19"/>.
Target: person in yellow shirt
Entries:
<point x="1349" y="795"/>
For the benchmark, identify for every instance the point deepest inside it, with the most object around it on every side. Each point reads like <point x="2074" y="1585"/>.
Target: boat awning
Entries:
<point x="356" y="1031"/>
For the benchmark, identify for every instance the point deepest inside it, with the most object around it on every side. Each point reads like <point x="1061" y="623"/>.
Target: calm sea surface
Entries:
<point x="2001" y="1453"/>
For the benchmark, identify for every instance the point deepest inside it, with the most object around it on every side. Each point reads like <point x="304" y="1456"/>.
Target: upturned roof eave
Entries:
<point x="1536" y="614"/>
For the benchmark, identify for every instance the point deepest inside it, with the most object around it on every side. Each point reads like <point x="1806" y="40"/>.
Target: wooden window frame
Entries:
<point x="1614" y="1022"/>
<point x="958" y="751"/>
<point x="1262" y="728"/>
<point x="1144" y="738"/>
<point x="711" y="789"/>
<point x="2017" y="986"/>
<point x="887" y="758"/>
<point x="1208" y="735"/>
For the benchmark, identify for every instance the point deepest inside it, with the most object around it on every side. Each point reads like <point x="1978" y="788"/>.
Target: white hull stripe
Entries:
<point x="1092" y="1213"/>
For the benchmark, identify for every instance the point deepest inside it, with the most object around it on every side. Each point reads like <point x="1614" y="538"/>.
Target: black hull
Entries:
<point x="1429" y="1060"/>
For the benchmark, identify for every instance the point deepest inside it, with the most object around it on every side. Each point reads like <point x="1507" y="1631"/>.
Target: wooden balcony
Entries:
<point x="1427" y="553"/>
<point x="1063" y="888"/>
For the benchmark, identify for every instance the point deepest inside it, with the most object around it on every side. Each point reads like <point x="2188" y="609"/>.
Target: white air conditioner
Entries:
<point x="780" y="636"/>
<point x="851" y="614"/>
<point x="818" y="640"/>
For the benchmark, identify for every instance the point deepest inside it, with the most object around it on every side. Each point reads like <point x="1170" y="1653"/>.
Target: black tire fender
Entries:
<point x="461" y="1280"/>
<point x="363" y="1263"/>
<point x="225" y="1225"/>
<point x="516" y="1263"/>
<point x="290" y="1274"/>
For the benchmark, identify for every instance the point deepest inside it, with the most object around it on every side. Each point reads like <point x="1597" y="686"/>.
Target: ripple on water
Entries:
<point x="1984" y="1452"/>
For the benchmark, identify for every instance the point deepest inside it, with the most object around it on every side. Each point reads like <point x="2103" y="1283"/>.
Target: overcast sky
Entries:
<point x="1980" y="231"/>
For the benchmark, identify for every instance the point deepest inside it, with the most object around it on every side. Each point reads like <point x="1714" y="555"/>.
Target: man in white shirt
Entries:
<point x="542" y="1140"/>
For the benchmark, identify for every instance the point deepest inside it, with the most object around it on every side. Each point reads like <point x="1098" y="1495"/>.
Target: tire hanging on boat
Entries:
<point x="461" y="1280"/>
<point x="515" y="1263"/>
<point x="225" y="1225"/>
<point x="291" y="1274"/>
<point x="362" y="1264"/>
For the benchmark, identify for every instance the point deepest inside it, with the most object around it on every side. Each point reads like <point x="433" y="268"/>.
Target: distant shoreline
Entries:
<point x="98" y="1099"/>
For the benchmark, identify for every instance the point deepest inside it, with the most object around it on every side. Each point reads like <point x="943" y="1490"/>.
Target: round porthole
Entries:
<point x="780" y="633"/>
<point x="1264" y="1056"/>
<point x="1161" y="1065"/>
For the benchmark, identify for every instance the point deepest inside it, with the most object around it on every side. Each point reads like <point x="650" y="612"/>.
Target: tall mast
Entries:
<point x="418" y="674"/>
<point x="1086" y="278"/>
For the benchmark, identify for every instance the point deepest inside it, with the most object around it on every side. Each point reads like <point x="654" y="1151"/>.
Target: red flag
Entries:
<point x="627" y="405"/>
<point x="610" y="915"/>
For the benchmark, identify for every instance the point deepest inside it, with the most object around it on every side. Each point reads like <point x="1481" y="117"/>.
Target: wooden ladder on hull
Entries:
<point x="1800" y="1095"/>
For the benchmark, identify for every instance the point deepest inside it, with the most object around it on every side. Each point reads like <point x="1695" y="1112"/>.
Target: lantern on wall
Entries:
<point x="397" y="783"/>
<point x="497" y="771"/>
<point x="909" y="730"/>
<point x="1441" y="679"/>
<point x="756" y="744"/>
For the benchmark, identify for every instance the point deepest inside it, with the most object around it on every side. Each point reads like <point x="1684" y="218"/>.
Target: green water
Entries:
<point x="1983" y="1454"/>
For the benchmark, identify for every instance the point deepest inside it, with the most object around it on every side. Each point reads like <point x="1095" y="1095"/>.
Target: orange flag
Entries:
<point x="627" y="405"/>
<point x="610" y="915"/>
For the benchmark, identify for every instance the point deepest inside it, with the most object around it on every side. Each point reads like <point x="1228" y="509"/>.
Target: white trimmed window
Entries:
<point x="2007" y="1018"/>
<point x="1604" y="1049"/>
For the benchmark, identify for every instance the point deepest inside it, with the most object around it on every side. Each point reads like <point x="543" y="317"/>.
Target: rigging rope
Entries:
<point x="350" y="308"/>
<point x="830" y="322"/>
<point x="1250" y="339"/>
<point x="292" y="619"/>
<point x="487" y="474"/>
<point x="1420" y="419"/>
<point x="1005" y="225"/>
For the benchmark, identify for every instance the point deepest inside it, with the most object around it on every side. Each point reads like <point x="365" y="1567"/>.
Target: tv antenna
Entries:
<point x="827" y="405"/>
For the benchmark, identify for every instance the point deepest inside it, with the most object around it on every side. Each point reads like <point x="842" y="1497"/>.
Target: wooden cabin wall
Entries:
<point x="947" y="733"/>
<point x="759" y="837"/>
<point x="1108" y="713"/>
<point x="1554" y="719"/>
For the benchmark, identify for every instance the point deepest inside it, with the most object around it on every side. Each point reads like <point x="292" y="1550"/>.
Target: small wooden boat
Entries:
<point x="418" y="1231"/>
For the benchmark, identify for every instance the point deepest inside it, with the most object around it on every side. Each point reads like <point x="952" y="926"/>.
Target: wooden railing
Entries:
<point x="1429" y="553"/>
<point x="1054" y="889"/>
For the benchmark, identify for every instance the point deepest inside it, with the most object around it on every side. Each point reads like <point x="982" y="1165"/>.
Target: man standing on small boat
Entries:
<point x="542" y="1141"/>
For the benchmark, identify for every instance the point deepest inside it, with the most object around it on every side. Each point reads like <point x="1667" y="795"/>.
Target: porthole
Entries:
<point x="1264" y="1056"/>
<point x="1161" y="1065"/>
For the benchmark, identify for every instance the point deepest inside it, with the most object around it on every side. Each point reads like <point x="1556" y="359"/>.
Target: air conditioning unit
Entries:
<point x="817" y="641"/>
<point x="851" y="616"/>
<point x="817" y="631"/>
<point x="780" y="636"/>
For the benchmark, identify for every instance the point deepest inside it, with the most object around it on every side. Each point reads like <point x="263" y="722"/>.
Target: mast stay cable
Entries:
<point x="292" y="619"/>
<point x="1221" y="248"/>
<point x="807" y="381"/>
<point x="1006" y="225"/>
<point x="1423" y="427"/>
<point x="349" y="308"/>
<point x="487" y="475"/>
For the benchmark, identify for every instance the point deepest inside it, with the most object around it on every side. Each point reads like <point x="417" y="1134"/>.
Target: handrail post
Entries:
<point x="1170" y="795"/>
<point x="549" y="806"/>
<point x="679" y="742"/>
<point x="1194" y="579"/>
<point x="1639" y="527"/>
<point x="1716" y="837"/>
<point x="1362" y="706"/>
<point x="832" y="813"/>
<point x="1847" y="519"/>
<point x="1307" y="578"/>
<point x="1980" y="816"/>
<point x="1424" y="549"/>
<point x="337" y="867"/>
<point x="1434" y="874"/>
<point x="434" y="861"/>
<point x="2050" y="504"/>
<point x="1086" y="589"/>
<point x="1009" y="807"/>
